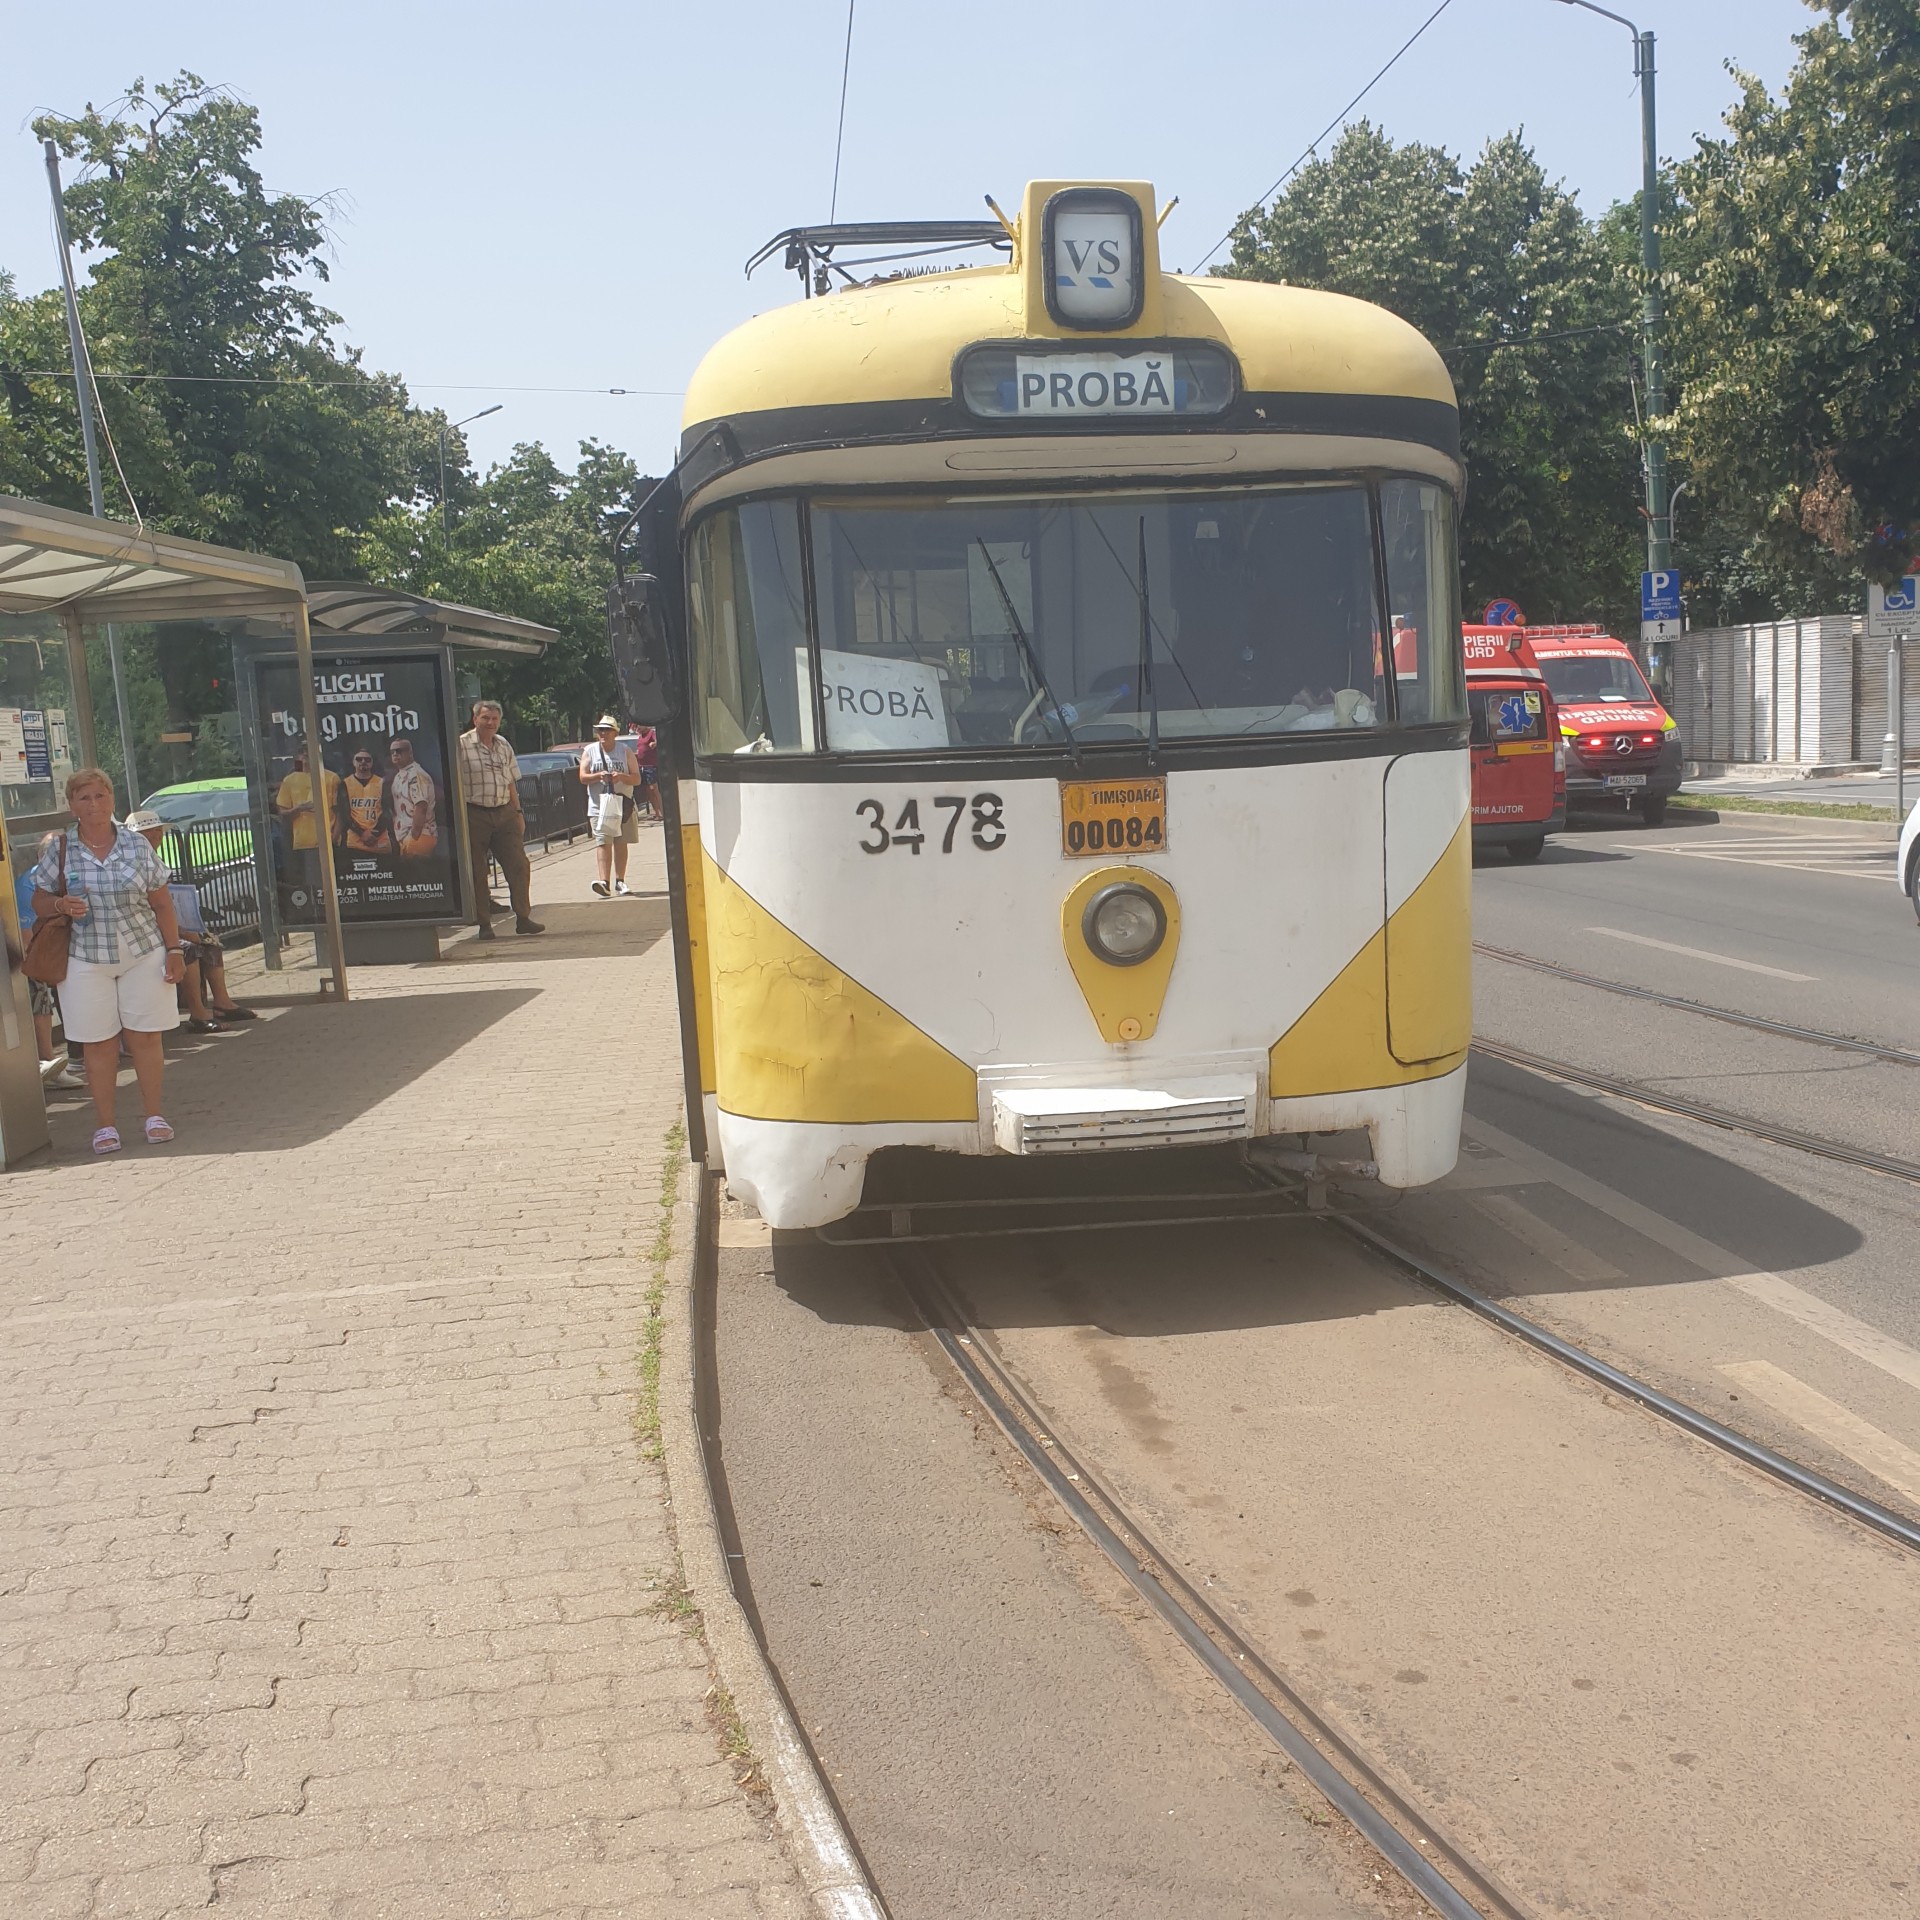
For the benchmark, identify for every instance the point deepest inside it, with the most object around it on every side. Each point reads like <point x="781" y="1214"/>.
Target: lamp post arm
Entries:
<point x="1606" y="14"/>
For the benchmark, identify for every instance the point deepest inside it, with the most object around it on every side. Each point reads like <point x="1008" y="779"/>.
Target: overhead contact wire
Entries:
<point x="1313" y="146"/>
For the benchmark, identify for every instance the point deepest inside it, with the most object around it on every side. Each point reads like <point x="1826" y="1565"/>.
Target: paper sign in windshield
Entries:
<point x="1093" y="385"/>
<point x="879" y="704"/>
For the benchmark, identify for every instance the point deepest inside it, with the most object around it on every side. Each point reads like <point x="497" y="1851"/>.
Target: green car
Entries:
<point x="209" y="841"/>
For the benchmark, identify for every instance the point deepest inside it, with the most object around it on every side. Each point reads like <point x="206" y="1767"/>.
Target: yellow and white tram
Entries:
<point x="1060" y="670"/>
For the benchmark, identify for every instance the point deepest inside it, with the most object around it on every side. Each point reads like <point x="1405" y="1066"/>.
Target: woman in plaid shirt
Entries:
<point x="124" y="956"/>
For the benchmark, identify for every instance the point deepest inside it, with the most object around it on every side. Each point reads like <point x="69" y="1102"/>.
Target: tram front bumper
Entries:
<point x="1176" y="1113"/>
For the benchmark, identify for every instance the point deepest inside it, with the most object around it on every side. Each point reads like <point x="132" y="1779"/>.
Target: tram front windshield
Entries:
<point x="968" y="622"/>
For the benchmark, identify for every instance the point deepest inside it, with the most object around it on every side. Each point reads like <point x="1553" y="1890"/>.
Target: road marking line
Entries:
<point x="1545" y="1239"/>
<point x="1784" y="866"/>
<point x="1843" y="1430"/>
<point x="1699" y="953"/>
<point x="1853" y="1336"/>
<point x="1862" y="1341"/>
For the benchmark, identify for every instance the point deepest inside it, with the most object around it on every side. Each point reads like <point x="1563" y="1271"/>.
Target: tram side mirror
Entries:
<point x="637" y="634"/>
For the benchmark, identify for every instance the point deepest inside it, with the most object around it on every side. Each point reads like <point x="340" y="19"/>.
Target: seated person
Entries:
<point x="204" y="986"/>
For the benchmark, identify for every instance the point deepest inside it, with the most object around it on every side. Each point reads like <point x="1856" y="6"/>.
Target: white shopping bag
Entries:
<point x="611" y="810"/>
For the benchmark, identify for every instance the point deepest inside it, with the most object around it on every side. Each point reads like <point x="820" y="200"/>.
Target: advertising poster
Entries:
<point x="33" y="733"/>
<point x="384" y="754"/>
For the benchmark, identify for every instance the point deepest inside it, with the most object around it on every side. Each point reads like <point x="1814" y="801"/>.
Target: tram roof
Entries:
<point x="883" y="348"/>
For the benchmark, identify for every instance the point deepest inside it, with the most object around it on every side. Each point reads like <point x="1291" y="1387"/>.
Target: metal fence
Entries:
<point x="555" y="806"/>
<point x="215" y="858"/>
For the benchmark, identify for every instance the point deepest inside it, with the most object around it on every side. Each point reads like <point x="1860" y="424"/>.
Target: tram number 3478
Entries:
<point x="989" y="828"/>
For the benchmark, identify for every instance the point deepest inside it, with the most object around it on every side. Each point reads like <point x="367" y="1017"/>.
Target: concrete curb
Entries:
<point x="829" y="1868"/>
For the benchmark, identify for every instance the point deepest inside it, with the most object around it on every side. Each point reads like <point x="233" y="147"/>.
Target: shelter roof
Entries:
<point x="355" y="609"/>
<point x="52" y="559"/>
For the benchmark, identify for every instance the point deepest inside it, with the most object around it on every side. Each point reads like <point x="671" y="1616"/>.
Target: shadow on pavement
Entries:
<point x="1763" y="1224"/>
<point x="1146" y="1281"/>
<point x="299" y="1077"/>
<point x="575" y="930"/>
<point x="1557" y="854"/>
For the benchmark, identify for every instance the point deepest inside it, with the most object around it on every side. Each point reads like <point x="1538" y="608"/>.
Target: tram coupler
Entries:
<point x="1319" y="1170"/>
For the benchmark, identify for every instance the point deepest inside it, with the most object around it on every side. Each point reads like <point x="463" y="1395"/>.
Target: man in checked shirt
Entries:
<point x="495" y="825"/>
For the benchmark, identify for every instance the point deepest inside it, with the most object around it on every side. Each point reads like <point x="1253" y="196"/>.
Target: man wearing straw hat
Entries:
<point x="609" y="773"/>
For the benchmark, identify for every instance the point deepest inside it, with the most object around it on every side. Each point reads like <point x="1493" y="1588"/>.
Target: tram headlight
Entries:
<point x="1124" y="924"/>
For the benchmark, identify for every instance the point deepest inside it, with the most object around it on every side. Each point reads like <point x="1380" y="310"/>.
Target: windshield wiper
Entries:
<point x="1146" y="658"/>
<point x="1032" y="659"/>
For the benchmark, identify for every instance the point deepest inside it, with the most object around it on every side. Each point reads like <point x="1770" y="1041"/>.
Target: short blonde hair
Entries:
<point x="85" y="777"/>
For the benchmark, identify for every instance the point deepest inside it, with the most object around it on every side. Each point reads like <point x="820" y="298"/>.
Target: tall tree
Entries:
<point x="1795" y="316"/>
<point x="1499" y="268"/>
<point x="242" y="422"/>
<point x="532" y="540"/>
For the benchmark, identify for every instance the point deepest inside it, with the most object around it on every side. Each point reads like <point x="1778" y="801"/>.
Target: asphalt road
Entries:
<point x="1798" y="920"/>
<point x="1630" y="1676"/>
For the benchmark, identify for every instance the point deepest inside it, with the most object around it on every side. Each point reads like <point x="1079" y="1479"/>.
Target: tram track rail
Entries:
<point x="1729" y="1016"/>
<point x="1888" y="1165"/>
<point x="1816" y="1486"/>
<point x="1442" y="1874"/>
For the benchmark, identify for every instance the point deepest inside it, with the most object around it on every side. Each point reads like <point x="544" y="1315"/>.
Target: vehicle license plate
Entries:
<point x="1623" y="781"/>
<point x="1112" y="816"/>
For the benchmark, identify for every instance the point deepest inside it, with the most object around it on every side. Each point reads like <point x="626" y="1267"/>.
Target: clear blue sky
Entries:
<point x="563" y="195"/>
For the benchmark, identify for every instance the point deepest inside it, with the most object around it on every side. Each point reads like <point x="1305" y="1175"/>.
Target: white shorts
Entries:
<point x="100" y="998"/>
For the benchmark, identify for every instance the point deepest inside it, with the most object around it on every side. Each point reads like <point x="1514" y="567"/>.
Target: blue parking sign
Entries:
<point x="1901" y="599"/>
<point x="1660" y="595"/>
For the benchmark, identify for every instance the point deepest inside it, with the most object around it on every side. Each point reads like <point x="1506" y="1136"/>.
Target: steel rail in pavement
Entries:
<point x="1812" y="1143"/>
<point x="1896" y="1056"/>
<point x="1293" y="1725"/>
<point x="1702" y="1426"/>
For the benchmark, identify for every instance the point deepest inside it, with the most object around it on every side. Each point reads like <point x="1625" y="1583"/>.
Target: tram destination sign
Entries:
<point x="1056" y="386"/>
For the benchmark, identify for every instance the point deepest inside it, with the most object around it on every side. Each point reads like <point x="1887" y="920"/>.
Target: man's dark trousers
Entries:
<point x="498" y="831"/>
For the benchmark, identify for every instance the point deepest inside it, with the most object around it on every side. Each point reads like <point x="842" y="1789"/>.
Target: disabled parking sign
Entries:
<point x="1895" y="609"/>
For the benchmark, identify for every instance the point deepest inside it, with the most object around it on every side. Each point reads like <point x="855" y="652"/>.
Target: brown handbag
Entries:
<point x="46" y="957"/>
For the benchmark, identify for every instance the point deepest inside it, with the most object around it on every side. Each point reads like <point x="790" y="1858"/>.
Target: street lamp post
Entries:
<point x="1652" y="309"/>
<point x="85" y="397"/>
<point x="446" y="517"/>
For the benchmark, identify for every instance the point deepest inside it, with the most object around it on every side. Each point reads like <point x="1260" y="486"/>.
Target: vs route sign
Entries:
<point x="1660" y="614"/>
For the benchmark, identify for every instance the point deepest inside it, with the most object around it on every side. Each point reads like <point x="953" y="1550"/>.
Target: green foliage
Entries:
<point x="1794" y="302"/>
<point x="1498" y="267"/>
<point x="534" y="541"/>
<point x="263" y="434"/>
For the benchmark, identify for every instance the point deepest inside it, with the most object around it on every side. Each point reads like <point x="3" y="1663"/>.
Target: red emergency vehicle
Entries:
<point x="1623" y="747"/>
<point x="1519" y="778"/>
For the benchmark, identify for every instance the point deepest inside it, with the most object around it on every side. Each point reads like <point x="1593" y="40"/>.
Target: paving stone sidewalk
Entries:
<point x="330" y="1563"/>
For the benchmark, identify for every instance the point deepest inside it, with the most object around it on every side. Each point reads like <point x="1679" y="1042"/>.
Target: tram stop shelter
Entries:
<point x="339" y="668"/>
<point x="382" y="673"/>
